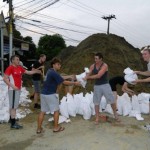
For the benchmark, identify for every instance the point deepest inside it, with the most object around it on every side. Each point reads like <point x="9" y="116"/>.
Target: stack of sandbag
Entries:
<point x="134" y="106"/>
<point x="77" y="104"/>
<point x="4" y="103"/>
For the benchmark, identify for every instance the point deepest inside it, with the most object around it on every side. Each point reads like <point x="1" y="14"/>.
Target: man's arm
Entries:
<point x="71" y="77"/>
<point x="143" y="73"/>
<point x="32" y="72"/>
<point x="126" y="89"/>
<point x="76" y="83"/>
<point x="142" y="80"/>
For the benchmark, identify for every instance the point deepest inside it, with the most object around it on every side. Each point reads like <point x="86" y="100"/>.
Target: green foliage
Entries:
<point x="28" y="39"/>
<point x="51" y="45"/>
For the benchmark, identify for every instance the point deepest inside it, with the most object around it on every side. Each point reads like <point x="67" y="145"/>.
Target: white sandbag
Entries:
<point x="81" y="76"/>
<point x="1" y="104"/>
<point x="80" y="79"/>
<point x="120" y="105"/>
<point x="138" y="117"/>
<point x="143" y="99"/>
<point x="64" y="107"/>
<point x="126" y="104"/>
<point x="89" y="99"/>
<point x="71" y="105"/>
<point x="144" y="107"/>
<point x="136" y="114"/>
<point x="130" y="76"/>
<point x="108" y="109"/>
<point x="128" y="71"/>
<point x="133" y="113"/>
<point x="61" y="119"/>
<point x="86" y="109"/>
<point x="79" y="103"/>
<point x="135" y="104"/>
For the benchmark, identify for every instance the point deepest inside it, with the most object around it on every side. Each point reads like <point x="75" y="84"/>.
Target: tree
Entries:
<point x="50" y="45"/>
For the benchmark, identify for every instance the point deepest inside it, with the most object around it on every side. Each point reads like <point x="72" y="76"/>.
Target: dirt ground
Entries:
<point x="80" y="134"/>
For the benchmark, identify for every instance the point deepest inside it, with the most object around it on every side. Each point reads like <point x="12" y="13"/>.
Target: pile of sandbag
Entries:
<point x="134" y="106"/>
<point x="4" y="103"/>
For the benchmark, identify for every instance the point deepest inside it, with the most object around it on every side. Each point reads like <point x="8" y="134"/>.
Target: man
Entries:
<point x="49" y="98"/>
<point x="98" y="72"/>
<point x="146" y="57"/>
<point x="37" y="79"/>
<point x="13" y="78"/>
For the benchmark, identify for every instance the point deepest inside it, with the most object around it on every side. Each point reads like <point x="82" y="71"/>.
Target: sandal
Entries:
<point x="39" y="131"/>
<point x="59" y="129"/>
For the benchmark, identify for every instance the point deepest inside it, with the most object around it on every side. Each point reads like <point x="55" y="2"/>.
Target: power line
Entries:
<point x="76" y="41"/>
<point x="65" y="21"/>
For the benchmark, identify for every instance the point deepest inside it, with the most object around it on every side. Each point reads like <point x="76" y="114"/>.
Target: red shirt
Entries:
<point x="15" y="75"/>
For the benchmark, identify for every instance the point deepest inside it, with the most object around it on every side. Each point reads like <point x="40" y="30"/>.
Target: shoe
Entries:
<point x="38" y="106"/>
<point x="16" y="126"/>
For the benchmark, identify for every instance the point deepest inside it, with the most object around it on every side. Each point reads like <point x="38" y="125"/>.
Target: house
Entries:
<point x="20" y="47"/>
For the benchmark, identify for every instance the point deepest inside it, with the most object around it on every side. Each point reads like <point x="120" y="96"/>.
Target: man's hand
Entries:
<point x="77" y="83"/>
<point x="37" y="71"/>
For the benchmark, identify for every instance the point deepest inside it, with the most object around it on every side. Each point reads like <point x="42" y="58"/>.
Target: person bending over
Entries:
<point x="121" y="81"/>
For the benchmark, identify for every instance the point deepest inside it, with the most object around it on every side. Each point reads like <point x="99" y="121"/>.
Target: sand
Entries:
<point x="80" y="134"/>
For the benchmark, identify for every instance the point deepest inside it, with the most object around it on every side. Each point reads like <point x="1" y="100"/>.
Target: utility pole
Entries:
<point x="10" y="28"/>
<point x="2" y="48"/>
<point x="108" y="18"/>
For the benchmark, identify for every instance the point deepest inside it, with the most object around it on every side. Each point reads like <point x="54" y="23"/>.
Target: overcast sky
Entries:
<point x="75" y="20"/>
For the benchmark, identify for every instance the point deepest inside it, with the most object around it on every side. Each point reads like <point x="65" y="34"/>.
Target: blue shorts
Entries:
<point x="37" y="86"/>
<point x="103" y="90"/>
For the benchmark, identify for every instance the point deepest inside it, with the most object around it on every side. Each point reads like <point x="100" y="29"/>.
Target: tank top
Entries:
<point x="103" y="79"/>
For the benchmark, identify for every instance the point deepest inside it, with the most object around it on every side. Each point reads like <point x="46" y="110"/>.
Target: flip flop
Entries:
<point x="59" y="129"/>
<point x="39" y="131"/>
